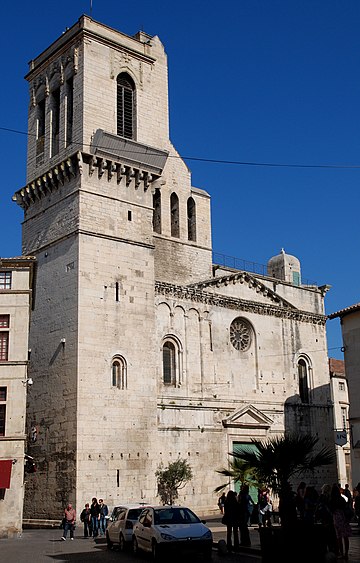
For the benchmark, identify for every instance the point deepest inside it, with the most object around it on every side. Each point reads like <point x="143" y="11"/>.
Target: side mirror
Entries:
<point x="203" y="521"/>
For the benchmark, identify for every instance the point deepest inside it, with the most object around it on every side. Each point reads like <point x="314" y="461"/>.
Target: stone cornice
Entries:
<point x="251" y="281"/>
<point x="194" y="294"/>
<point x="73" y="166"/>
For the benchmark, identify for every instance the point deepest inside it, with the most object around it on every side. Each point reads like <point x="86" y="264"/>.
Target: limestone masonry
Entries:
<point x="143" y="350"/>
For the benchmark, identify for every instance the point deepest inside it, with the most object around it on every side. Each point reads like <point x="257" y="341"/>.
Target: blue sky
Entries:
<point x="262" y="81"/>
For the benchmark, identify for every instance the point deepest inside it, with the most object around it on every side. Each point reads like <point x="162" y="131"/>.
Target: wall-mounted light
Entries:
<point x="28" y="381"/>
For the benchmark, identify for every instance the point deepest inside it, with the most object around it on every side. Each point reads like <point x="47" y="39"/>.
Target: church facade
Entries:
<point x="143" y="350"/>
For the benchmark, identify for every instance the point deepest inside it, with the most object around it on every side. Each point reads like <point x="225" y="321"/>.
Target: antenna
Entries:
<point x="91" y="8"/>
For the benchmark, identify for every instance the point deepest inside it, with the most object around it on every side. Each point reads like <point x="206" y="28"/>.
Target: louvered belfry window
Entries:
<point x="125" y="106"/>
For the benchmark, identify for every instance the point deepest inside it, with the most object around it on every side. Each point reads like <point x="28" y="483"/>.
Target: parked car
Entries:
<point x="120" y="525"/>
<point x="163" y="529"/>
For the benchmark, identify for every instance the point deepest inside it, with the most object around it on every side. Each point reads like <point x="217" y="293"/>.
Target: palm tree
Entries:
<point x="277" y="461"/>
<point x="238" y="472"/>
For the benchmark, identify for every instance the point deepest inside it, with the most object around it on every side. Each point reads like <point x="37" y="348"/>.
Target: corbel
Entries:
<point x="29" y="194"/>
<point x="44" y="185"/>
<point x="51" y="180"/>
<point x="70" y="167"/>
<point x="64" y="170"/>
<point x="79" y="162"/>
<point x="137" y="175"/>
<point x="92" y="165"/>
<point x="120" y="172"/>
<point x="37" y="189"/>
<point x="111" y="169"/>
<point x="129" y="175"/>
<point x="58" y="175"/>
<point x="102" y="166"/>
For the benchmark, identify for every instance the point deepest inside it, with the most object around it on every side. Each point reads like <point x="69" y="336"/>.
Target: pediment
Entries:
<point x="247" y="417"/>
<point x="253" y="284"/>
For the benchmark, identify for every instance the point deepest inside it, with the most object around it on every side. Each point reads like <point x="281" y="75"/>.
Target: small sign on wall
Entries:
<point x="340" y="437"/>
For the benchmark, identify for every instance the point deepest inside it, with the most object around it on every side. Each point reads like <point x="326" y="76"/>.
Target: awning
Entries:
<point x="5" y="473"/>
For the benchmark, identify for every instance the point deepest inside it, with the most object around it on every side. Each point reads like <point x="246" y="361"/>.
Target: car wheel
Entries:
<point x="155" y="552"/>
<point x="122" y="543"/>
<point x="135" y="546"/>
<point x="109" y="543"/>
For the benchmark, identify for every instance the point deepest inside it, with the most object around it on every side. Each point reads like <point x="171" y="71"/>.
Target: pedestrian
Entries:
<point x="244" y="501"/>
<point x="104" y="511"/>
<point x="231" y="520"/>
<point x="311" y="498"/>
<point x="324" y="515"/>
<point x="342" y="526"/>
<point x="95" y="517"/>
<point x="264" y="507"/>
<point x="347" y="493"/>
<point x="300" y="503"/>
<point x="85" y="517"/>
<point x="69" y="521"/>
<point x="357" y="503"/>
<point x="221" y="502"/>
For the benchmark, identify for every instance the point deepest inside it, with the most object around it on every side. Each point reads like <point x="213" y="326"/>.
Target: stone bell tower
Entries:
<point x="106" y="213"/>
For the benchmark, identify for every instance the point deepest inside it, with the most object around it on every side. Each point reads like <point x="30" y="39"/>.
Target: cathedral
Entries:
<point x="142" y="349"/>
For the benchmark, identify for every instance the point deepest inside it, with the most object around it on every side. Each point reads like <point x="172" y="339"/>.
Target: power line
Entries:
<point x="216" y="160"/>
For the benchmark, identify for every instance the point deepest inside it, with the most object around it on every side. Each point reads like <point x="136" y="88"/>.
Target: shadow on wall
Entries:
<point x="314" y="417"/>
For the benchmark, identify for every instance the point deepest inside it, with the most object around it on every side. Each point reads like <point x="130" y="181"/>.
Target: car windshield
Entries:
<point x="173" y="515"/>
<point x="134" y="513"/>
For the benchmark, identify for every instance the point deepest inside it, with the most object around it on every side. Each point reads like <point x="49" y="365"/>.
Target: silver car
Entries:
<point x="165" y="530"/>
<point x="120" y="526"/>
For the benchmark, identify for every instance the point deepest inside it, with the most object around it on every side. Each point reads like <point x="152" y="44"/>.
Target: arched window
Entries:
<point x="125" y="106"/>
<point x="169" y="363"/>
<point x="191" y="218"/>
<point x="55" y="121"/>
<point x="174" y="210"/>
<point x="157" y="211"/>
<point x="303" y="374"/>
<point x="119" y="373"/>
<point x="40" y="136"/>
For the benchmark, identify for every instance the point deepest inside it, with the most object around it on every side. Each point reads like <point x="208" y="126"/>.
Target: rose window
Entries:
<point x="240" y="335"/>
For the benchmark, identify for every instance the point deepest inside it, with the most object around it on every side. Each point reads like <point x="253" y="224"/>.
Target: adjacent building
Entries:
<point x="143" y="349"/>
<point x="340" y="398"/>
<point x="350" y="327"/>
<point x="16" y="282"/>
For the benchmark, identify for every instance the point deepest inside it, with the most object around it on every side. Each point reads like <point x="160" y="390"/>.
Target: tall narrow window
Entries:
<point x="169" y="363"/>
<point x="303" y="381"/>
<point x="125" y="106"/>
<point x="191" y="218"/>
<point x="3" y="397"/>
<point x="4" y="337"/>
<point x="344" y="417"/>
<point x="174" y="210"/>
<point x="157" y="211"/>
<point x="40" y="137"/>
<point x="119" y="373"/>
<point x="69" y="110"/>
<point x="55" y="121"/>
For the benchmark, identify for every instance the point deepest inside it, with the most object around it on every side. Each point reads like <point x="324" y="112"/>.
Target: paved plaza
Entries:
<point x="45" y="546"/>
